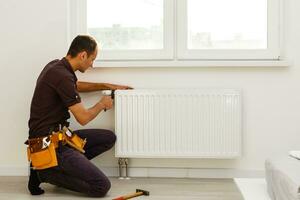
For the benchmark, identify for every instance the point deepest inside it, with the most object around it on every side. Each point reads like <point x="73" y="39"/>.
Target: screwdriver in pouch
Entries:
<point x="60" y="138"/>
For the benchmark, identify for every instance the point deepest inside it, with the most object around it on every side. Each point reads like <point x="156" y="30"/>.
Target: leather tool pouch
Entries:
<point x="41" y="153"/>
<point x="76" y="142"/>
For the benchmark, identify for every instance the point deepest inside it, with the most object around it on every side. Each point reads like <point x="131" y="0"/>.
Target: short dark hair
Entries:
<point x="82" y="43"/>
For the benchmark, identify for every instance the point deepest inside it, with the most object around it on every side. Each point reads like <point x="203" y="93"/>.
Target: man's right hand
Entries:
<point x="84" y="116"/>
<point x="107" y="102"/>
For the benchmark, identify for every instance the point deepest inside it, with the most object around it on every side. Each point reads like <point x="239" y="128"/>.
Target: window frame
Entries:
<point x="176" y="53"/>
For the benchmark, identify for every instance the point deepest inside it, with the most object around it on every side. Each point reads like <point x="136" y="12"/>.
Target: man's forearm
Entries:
<point x="95" y="110"/>
<point x="90" y="87"/>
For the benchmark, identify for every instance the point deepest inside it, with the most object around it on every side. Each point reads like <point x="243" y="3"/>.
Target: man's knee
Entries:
<point x="113" y="138"/>
<point x="100" y="188"/>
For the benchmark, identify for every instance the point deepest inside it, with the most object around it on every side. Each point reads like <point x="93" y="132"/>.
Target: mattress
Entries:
<point x="283" y="178"/>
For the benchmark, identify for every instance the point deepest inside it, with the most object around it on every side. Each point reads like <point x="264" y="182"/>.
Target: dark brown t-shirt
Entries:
<point x="55" y="91"/>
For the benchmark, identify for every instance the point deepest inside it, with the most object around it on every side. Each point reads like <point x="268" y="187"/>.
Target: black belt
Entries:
<point x="55" y="128"/>
<point x="59" y="126"/>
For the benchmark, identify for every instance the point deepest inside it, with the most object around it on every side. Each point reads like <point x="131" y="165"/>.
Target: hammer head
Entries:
<point x="146" y="193"/>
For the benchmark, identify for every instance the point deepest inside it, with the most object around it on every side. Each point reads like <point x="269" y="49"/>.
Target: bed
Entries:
<point x="283" y="178"/>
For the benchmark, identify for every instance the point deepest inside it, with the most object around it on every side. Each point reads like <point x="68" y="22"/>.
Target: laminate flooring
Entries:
<point x="15" y="188"/>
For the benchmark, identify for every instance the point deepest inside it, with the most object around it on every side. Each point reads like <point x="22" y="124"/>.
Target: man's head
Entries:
<point x="83" y="51"/>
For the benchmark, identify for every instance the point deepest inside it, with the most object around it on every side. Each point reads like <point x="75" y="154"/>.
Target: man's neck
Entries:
<point x="72" y="62"/>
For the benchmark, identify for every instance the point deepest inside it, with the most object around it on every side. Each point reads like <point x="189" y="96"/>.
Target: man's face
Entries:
<point x="87" y="61"/>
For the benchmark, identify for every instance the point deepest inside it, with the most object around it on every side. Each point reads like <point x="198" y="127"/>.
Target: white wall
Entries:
<point x="34" y="32"/>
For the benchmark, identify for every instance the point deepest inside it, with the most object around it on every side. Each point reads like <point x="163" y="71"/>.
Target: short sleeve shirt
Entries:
<point x="54" y="93"/>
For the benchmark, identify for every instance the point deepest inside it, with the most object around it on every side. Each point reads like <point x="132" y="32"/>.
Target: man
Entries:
<point x="55" y="94"/>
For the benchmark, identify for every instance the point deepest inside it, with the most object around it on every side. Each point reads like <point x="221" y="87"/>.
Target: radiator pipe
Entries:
<point x="123" y="163"/>
<point x="126" y="168"/>
<point x="120" y="162"/>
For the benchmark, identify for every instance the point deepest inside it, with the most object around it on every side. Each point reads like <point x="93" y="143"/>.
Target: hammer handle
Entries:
<point x="129" y="196"/>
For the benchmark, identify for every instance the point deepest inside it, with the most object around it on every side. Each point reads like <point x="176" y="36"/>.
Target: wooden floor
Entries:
<point x="14" y="188"/>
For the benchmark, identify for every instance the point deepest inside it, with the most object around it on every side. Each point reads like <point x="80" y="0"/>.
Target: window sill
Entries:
<point x="229" y="63"/>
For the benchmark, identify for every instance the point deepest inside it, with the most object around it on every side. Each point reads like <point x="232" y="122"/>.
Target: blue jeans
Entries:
<point x="75" y="171"/>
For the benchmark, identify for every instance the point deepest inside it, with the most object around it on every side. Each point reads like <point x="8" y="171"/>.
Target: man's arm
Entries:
<point x="90" y="87"/>
<point x="84" y="116"/>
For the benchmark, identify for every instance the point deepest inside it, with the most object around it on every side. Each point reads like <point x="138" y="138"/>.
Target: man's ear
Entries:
<point x="83" y="55"/>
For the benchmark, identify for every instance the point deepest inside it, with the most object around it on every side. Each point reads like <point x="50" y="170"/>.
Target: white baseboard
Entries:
<point x="185" y="172"/>
<point x="156" y="172"/>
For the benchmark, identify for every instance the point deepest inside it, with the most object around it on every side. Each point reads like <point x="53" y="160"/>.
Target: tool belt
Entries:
<point x="41" y="151"/>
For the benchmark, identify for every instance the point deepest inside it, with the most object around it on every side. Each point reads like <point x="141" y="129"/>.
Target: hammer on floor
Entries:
<point x="137" y="193"/>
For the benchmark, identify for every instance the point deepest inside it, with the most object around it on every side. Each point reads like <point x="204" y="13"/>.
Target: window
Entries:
<point x="228" y="29"/>
<point x="136" y="27"/>
<point x="127" y="29"/>
<point x="232" y="24"/>
<point x="179" y="30"/>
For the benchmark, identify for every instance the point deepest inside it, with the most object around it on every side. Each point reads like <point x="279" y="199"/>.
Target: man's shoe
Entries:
<point x="34" y="183"/>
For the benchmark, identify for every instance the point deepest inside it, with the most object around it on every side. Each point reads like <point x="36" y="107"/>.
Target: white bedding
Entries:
<point x="283" y="178"/>
<point x="295" y="154"/>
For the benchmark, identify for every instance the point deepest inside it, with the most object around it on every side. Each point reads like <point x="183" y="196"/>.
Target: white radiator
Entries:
<point x="178" y="123"/>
